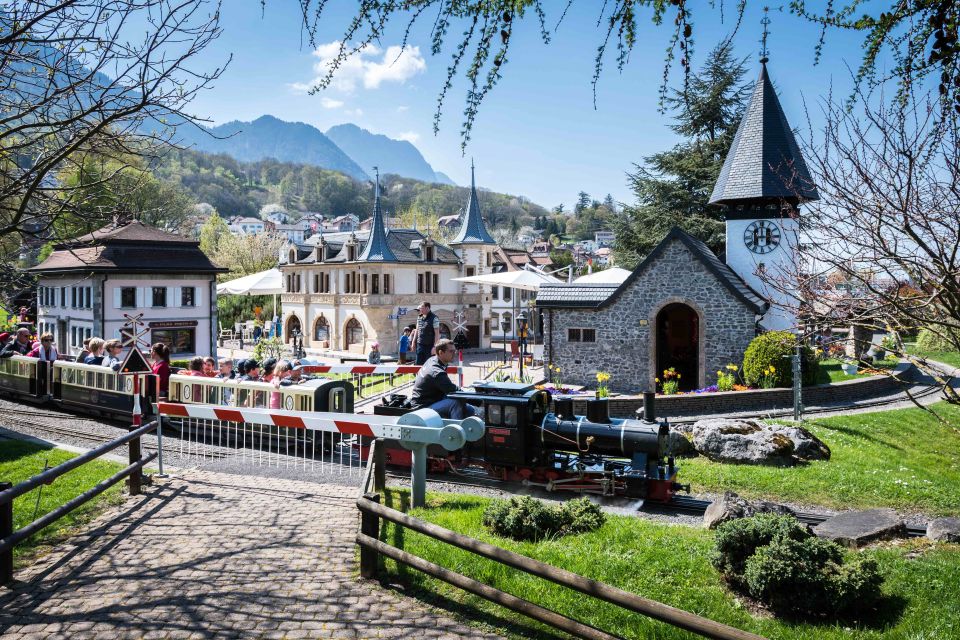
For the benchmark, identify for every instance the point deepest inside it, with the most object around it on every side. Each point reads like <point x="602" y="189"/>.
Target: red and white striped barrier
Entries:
<point x="369" y="369"/>
<point x="354" y="424"/>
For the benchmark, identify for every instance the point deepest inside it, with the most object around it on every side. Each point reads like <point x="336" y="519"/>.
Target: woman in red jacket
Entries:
<point x="160" y="354"/>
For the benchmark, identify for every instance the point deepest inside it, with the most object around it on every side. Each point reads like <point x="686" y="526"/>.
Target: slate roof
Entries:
<point x="377" y="249"/>
<point x="404" y="244"/>
<point x="597" y="296"/>
<point x="129" y="248"/>
<point x="764" y="161"/>
<point x="473" y="231"/>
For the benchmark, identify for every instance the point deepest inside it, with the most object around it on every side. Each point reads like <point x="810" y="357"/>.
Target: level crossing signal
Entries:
<point x="133" y="330"/>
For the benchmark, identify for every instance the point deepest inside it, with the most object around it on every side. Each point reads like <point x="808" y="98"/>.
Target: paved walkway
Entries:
<point x="215" y="555"/>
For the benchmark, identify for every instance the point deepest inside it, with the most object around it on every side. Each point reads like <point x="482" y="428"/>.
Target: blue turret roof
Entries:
<point x="377" y="248"/>
<point x="473" y="231"/>
<point x="764" y="161"/>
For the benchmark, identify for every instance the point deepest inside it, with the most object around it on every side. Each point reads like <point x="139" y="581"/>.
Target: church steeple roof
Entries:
<point x="764" y="162"/>
<point x="377" y="248"/>
<point x="472" y="230"/>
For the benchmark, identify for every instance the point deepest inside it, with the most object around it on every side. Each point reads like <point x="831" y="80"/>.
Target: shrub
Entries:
<point x="772" y="349"/>
<point x="927" y="340"/>
<point x="269" y="348"/>
<point x="809" y="575"/>
<point x="739" y="539"/>
<point x="526" y="518"/>
<point x="183" y="364"/>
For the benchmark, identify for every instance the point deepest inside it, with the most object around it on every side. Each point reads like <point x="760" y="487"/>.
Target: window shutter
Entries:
<point x="117" y="293"/>
<point x="198" y="297"/>
<point x="177" y="300"/>
<point x="141" y="297"/>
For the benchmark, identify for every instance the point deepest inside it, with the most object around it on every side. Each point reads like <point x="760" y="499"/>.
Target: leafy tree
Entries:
<point x="583" y="202"/>
<point x="673" y="187"/>
<point x="211" y="233"/>
<point x="248" y="253"/>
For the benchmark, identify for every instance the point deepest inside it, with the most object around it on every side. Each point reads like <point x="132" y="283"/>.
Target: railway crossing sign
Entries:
<point x="459" y="322"/>
<point x="134" y="363"/>
<point x="131" y="333"/>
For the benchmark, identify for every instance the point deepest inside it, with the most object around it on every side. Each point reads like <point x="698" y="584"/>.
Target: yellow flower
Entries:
<point x="678" y="376"/>
<point x="656" y="379"/>
<point x="719" y="373"/>
<point x="732" y="367"/>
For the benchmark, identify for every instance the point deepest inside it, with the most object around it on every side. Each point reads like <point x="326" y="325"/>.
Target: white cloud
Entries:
<point x="409" y="136"/>
<point x="330" y="103"/>
<point x="369" y="67"/>
<point x="402" y="108"/>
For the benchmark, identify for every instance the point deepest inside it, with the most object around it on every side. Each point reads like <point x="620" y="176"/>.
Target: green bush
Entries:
<point x="183" y="364"/>
<point x="773" y="349"/>
<point x="269" y="348"/>
<point x="928" y="341"/>
<point x="739" y="539"/>
<point x="778" y="561"/>
<point x="809" y="576"/>
<point x="526" y="518"/>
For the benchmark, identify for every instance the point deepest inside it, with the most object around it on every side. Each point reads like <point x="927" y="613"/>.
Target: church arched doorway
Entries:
<point x="352" y="334"/>
<point x="678" y="343"/>
<point x="293" y="325"/>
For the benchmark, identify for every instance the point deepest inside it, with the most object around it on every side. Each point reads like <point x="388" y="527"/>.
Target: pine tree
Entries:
<point x="672" y="187"/>
<point x="583" y="202"/>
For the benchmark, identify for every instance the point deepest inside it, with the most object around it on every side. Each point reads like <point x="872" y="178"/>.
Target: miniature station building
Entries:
<point x="343" y="291"/>
<point x="683" y="307"/>
<point x="87" y="285"/>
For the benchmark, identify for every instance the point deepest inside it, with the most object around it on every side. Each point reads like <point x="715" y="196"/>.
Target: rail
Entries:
<point x="9" y="492"/>
<point x="371" y="548"/>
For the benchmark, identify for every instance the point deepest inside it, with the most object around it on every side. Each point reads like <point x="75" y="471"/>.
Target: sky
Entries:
<point x="538" y="133"/>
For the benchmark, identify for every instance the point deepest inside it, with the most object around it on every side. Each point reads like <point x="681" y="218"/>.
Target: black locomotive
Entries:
<point x="557" y="450"/>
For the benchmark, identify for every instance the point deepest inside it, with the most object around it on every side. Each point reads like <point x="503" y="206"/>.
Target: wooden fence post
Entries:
<point x="6" y="529"/>
<point x="369" y="526"/>
<point x="134" y="456"/>
<point x="380" y="466"/>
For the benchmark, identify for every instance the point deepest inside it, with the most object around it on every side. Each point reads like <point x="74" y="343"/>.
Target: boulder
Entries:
<point x="731" y="506"/>
<point x="857" y="528"/>
<point x="806" y="446"/>
<point x="743" y="441"/>
<point x="678" y="444"/>
<point x="944" y="530"/>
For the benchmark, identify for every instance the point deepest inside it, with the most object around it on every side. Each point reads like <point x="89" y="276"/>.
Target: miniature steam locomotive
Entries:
<point x="525" y="441"/>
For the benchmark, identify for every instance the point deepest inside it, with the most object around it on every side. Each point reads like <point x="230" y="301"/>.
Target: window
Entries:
<point x="428" y="254"/>
<point x="73" y="297"/>
<point x="486" y="326"/>
<point x="88" y="297"/>
<point x="507" y="294"/>
<point x="316" y="282"/>
<point x="179" y="340"/>
<point x="351" y="253"/>
<point x="365" y="290"/>
<point x="386" y="283"/>
<point x="187" y="297"/>
<point x="436" y="283"/>
<point x="581" y="335"/>
<point x="375" y="284"/>
<point x="321" y="330"/>
<point x="489" y="258"/>
<point x="128" y="297"/>
<point x="159" y="298"/>
<point x="495" y="291"/>
<point x="63" y="297"/>
<point x="471" y="271"/>
<point x="419" y="283"/>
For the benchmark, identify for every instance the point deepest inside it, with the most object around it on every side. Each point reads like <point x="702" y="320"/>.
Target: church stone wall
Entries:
<point x="625" y="328"/>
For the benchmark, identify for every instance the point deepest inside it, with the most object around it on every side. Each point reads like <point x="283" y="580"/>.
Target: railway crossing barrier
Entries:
<point x="319" y="441"/>
<point x="372" y="380"/>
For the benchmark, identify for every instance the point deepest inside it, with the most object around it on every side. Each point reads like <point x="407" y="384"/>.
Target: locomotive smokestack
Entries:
<point x="649" y="406"/>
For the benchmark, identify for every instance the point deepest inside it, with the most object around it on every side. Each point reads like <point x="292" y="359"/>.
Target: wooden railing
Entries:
<point x="9" y="492"/>
<point x="371" y="548"/>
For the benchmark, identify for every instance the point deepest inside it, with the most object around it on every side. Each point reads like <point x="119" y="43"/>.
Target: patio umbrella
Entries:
<point x="521" y="279"/>
<point x="613" y="275"/>
<point x="269" y="282"/>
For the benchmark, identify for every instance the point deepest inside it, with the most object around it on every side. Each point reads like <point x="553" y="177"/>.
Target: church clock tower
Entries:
<point x="762" y="184"/>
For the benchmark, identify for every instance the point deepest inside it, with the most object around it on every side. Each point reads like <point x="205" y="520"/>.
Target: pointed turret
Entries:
<point x="764" y="164"/>
<point x="377" y="249"/>
<point x="472" y="229"/>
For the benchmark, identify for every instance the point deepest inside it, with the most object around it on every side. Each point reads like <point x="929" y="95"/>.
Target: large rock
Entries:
<point x="944" y="530"/>
<point x="678" y="444"/>
<point x="857" y="528"/>
<point x="731" y="506"/>
<point x="743" y="441"/>
<point x="755" y="442"/>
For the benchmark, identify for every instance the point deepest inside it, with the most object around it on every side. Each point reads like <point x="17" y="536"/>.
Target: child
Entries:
<point x="405" y="344"/>
<point x="374" y="356"/>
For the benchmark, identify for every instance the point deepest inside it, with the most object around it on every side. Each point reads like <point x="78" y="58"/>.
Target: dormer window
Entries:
<point x="292" y="256"/>
<point x="351" y="253"/>
<point x="428" y="253"/>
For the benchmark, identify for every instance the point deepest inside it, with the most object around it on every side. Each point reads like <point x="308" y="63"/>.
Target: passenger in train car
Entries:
<point x="112" y="354"/>
<point x="210" y="367"/>
<point x="281" y="373"/>
<point x="85" y="351"/>
<point x="160" y="354"/>
<point x="226" y="370"/>
<point x="250" y="371"/>
<point x="195" y="368"/>
<point x="96" y="352"/>
<point x="34" y="349"/>
<point x="296" y="374"/>
<point x="266" y="371"/>
<point x="48" y="351"/>
<point x="19" y="346"/>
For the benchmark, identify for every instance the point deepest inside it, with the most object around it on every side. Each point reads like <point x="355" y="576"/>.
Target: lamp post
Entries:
<point x="522" y="326"/>
<point x="505" y="325"/>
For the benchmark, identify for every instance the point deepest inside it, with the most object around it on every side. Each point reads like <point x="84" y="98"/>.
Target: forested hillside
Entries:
<point x="242" y="188"/>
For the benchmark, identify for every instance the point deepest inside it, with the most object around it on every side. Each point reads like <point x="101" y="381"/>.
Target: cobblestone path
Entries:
<point x="216" y="555"/>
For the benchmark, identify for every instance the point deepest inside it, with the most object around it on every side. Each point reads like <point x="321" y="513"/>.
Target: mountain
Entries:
<point x="391" y="156"/>
<point x="270" y="137"/>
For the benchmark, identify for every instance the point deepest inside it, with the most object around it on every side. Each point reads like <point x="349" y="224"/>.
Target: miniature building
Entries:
<point x="346" y="290"/>
<point x="87" y="285"/>
<point x="683" y="308"/>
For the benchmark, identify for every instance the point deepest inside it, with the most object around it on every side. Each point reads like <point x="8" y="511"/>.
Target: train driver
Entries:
<point x="433" y="384"/>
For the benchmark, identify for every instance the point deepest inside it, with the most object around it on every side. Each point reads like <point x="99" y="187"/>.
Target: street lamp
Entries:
<point x="505" y="325"/>
<point x="522" y="326"/>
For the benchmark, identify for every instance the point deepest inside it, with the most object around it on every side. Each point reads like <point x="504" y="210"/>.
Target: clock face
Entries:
<point x="761" y="236"/>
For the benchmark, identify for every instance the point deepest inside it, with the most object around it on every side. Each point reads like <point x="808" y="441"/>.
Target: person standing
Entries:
<point x="427" y="334"/>
<point x="405" y="345"/>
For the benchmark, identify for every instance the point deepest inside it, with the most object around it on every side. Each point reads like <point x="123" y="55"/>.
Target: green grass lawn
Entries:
<point x="830" y="370"/>
<point x="905" y="459"/>
<point x="951" y="358"/>
<point x="20" y="460"/>
<point x="669" y="563"/>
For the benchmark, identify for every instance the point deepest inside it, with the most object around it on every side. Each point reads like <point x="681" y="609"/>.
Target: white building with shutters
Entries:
<point x="87" y="286"/>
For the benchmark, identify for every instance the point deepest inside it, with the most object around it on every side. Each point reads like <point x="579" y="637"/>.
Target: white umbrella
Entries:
<point x="264" y="283"/>
<point x="526" y="280"/>
<point x="613" y="275"/>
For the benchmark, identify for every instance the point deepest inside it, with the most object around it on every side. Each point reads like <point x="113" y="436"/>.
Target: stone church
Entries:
<point x="683" y="307"/>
